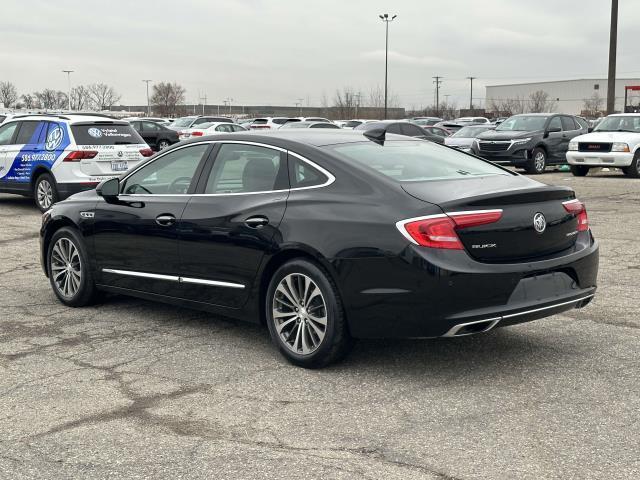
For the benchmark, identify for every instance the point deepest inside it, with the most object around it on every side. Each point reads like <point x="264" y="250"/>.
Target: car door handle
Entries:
<point x="165" y="220"/>
<point x="256" y="222"/>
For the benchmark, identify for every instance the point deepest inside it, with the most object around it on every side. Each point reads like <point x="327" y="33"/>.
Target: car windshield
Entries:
<point x="523" y="123"/>
<point x="415" y="161"/>
<point x="183" y="122"/>
<point x="619" y="124"/>
<point x="469" y="132"/>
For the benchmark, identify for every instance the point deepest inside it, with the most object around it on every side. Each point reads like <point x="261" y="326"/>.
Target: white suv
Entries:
<point x="615" y="143"/>
<point x="51" y="157"/>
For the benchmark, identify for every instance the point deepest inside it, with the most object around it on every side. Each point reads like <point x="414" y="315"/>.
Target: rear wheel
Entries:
<point x="538" y="161"/>
<point x="162" y="144"/>
<point x="579" y="170"/>
<point x="633" y="170"/>
<point x="305" y="315"/>
<point x="69" y="270"/>
<point x="45" y="192"/>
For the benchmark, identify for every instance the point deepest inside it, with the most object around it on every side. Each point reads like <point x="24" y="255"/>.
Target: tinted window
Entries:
<point x="150" y="127"/>
<point x="394" y="128"/>
<point x="324" y="125"/>
<point x="136" y="126"/>
<point x="524" y="123"/>
<point x="238" y="128"/>
<point x="555" y="123"/>
<point x="352" y="123"/>
<point x="6" y="133"/>
<point x="105" y="134"/>
<point x="26" y="133"/>
<point x="260" y="121"/>
<point x="242" y="168"/>
<point x="301" y="174"/>
<point x="568" y="124"/>
<point x="411" y="130"/>
<point x="169" y="174"/>
<point x="412" y="161"/>
<point x="282" y="121"/>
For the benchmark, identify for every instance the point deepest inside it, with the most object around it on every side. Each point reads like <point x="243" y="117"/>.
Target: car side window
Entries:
<point x="241" y="168"/>
<point x="169" y="174"/>
<point x="411" y="130"/>
<point x="301" y="174"/>
<point x="200" y="121"/>
<point x="150" y="127"/>
<point x="6" y="133"/>
<point x="137" y="126"/>
<point x="394" y="128"/>
<point x="26" y="133"/>
<point x="555" y="123"/>
<point x="568" y="124"/>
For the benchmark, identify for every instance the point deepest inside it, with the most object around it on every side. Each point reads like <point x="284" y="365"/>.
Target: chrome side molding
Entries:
<point x="172" y="278"/>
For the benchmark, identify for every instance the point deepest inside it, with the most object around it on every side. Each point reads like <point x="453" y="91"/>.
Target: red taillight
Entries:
<point x="577" y="208"/>
<point x="78" y="155"/>
<point x="439" y="231"/>
<point x="146" y="152"/>
<point x="197" y="134"/>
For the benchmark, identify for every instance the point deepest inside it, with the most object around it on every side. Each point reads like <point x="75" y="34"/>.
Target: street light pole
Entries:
<point x="471" y="95"/>
<point x="148" y="104"/>
<point x="68" y="72"/>
<point x="613" y="44"/>
<point x="385" y="18"/>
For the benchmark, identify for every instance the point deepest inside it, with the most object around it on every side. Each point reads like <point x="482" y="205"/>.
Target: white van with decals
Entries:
<point x="51" y="157"/>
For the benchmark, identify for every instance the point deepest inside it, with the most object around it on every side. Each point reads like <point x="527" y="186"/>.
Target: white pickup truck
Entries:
<point x="615" y="143"/>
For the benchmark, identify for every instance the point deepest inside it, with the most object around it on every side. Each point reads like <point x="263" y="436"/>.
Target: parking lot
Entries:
<point x="134" y="389"/>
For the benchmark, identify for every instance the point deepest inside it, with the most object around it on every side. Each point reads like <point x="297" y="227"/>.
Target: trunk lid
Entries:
<point x="514" y="237"/>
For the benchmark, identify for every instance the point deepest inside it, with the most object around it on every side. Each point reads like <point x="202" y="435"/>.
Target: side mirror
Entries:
<point x="551" y="130"/>
<point x="590" y="129"/>
<point x="109" y="188"/>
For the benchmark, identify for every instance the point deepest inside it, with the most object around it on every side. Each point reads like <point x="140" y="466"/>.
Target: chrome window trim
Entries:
<point x="330" y="177"/>
<point x="173" y="278"/>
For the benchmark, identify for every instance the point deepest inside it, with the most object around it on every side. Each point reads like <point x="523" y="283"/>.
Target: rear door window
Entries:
<point x="6" y="133"/>
<point x="411" y="130"/>
<point x="105" y="134"/>
<point x="27" y="133"/>
<point x="394" y="128"/>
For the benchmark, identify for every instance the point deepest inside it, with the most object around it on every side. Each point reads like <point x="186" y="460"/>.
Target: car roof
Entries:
<point x="71" y="118"/>
<point x="308" y="136"/>
<point x="539" y="114"/>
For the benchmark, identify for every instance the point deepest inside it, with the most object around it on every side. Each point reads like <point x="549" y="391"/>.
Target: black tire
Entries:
<point x="538" y="161"/>
<point x="336" y="342"/>
<point x="45" y="192"/>
<point x="579" y="170"/>
<point x="164" y="143"/>
<point x="633" y="170"/>
<point x="86" y="293"/>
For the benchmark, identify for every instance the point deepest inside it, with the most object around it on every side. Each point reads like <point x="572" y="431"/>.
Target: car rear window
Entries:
<point x="260" y="121"/>
<point x="415" y="161"/>
<point x="282" y="121"/>
<point x="105" y="134"/>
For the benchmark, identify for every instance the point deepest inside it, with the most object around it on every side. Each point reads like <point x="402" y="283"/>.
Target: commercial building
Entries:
<point x="567" y="96"/>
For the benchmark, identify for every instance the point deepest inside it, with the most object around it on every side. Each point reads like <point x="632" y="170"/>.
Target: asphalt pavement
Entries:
<point x="135" y="389"/>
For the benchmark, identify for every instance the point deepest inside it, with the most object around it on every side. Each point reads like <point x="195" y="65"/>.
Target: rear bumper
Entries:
<point x="610" y="159"/>
<point x="429" y="293"/>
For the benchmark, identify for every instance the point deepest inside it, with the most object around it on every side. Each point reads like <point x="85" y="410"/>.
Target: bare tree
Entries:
<point x="51" y="99"/>
<point x="102" y="96"/>
<point x="539" y="102"/>
<point x="593" y="106"/>
<point x="29" y="101"/>
<point x="80" y="98"/>
<point x="8" y="94"/>
<point x="345" y="102"/>
<point x="376" y="101"/>
<point x="166" y="98"/>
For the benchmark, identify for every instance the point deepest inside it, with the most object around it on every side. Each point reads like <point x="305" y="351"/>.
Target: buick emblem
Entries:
<point x="539" y="222"/>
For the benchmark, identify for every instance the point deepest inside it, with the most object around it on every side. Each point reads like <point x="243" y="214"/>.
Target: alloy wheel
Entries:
<point x="299" y="313"/>
<point x="44" y="194"/>
<point x="66" y="267"/>
<point x="163" y="144"/>
<point x="539" y="161"/>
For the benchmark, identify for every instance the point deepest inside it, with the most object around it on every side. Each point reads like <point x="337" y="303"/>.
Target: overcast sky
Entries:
<point x="277" y="51"/>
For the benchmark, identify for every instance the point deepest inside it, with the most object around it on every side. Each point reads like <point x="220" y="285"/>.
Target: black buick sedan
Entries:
<point x="327" y="236"/>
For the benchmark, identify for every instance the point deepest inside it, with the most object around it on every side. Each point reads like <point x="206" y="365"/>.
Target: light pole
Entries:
<point x="387" y="20"/>
<point x="613" y="44"/>
<point x="471" y="95"/>
<point x="148" y="104"/>
<point x="68" y="72"/>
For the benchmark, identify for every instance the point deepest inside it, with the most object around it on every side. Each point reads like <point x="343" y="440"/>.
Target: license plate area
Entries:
<point x="120" y="166"/>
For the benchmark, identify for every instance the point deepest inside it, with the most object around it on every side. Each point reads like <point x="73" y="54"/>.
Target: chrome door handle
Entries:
<point x="256" y="222"/>
<point x="165" y="220"/>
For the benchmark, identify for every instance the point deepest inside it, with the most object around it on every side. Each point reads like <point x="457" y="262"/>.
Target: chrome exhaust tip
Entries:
<point x="471" y="328"/>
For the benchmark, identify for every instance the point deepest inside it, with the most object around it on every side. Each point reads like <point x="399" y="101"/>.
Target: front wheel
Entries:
<point x="69" y="270"/>
<point x="579" y="170"/>
<point x="305" y="315"/>
<point x="633" y="170"/>
<point x="45" y="192"/>
<point x="538" y="161"/>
